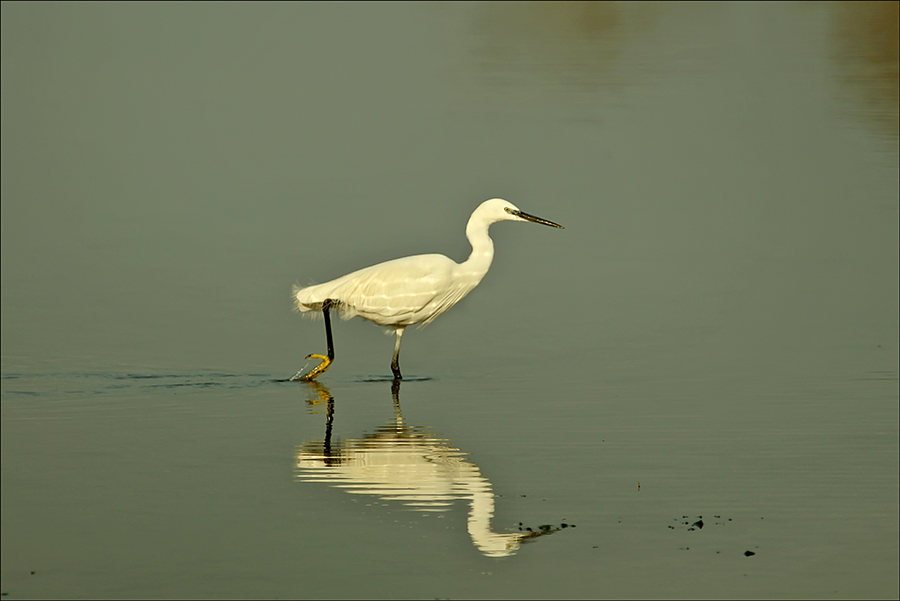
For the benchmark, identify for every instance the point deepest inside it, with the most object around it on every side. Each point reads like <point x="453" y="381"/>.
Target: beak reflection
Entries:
<point x="410" y="465"/>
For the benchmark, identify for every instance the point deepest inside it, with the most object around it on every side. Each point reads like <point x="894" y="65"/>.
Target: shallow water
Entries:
<point x="691" y="391"/>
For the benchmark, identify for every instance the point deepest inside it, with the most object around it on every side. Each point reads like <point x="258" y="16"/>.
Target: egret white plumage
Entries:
<point x="409" y="290"/>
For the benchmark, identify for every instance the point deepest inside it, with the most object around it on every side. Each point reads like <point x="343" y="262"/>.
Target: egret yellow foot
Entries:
<point x="318" y="369"/>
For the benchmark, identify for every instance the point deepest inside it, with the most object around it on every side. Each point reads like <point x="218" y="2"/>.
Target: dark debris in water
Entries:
<point x="543" y="529"/>
<point x="695" y="523"/>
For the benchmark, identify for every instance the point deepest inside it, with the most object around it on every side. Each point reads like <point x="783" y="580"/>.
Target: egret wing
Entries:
<point x="394" y="293"/>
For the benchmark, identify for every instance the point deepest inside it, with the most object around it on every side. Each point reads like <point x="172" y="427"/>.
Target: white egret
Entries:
<point x="409" y="290"/>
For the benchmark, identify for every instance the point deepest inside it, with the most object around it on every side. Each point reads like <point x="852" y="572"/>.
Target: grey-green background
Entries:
<point x="718" y="321"/>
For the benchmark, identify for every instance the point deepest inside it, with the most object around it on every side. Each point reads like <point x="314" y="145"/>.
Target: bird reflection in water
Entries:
<point x="406" y="463"/>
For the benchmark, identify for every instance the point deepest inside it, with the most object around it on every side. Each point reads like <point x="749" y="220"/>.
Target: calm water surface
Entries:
<point x="691" y="391"/>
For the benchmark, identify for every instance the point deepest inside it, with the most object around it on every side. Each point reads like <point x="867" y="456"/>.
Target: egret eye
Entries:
<point x="507" y="209"/>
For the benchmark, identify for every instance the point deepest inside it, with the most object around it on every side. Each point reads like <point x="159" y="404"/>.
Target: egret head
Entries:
<point x="497" y="209"/>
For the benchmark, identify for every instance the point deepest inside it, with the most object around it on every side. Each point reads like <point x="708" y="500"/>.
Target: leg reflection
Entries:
<point x="411" y="465"/>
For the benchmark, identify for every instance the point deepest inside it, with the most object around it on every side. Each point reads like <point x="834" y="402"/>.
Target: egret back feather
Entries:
<point x="430" y="285"/>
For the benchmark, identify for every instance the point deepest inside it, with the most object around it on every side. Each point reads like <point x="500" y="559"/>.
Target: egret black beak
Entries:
<point x="534" y="219"/>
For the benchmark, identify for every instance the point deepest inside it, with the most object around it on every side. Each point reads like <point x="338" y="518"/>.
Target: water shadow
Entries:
<point x="409" y="464"/>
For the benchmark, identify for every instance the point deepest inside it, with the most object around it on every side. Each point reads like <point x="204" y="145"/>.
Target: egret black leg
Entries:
<point x="326" y="306"/>
<point x="326" y="360"/>
<point x="395" y="364"/>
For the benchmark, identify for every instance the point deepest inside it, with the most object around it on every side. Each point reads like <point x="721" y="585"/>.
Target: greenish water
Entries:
<point x="712" y="339"/>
